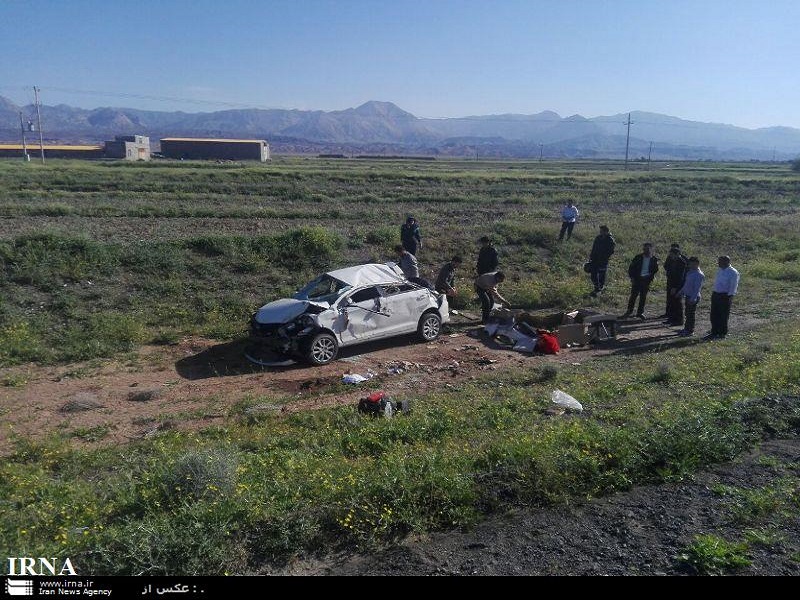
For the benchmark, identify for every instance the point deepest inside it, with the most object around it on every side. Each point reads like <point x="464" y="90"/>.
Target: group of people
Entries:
<point x="684" y="278"/>
<point x="487" y="276"/>
<point x="684" y="284"/>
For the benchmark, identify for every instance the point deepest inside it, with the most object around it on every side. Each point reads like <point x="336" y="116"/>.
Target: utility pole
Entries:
<point x="39" y="121"/>
<point x="627" y="141"/>
<point x="25" y="156"/>
<point x="649" y="154"/>
<point x="541" y="152"/>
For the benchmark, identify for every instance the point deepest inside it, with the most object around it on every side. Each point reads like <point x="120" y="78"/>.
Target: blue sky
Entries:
<point x="729" y="61"/>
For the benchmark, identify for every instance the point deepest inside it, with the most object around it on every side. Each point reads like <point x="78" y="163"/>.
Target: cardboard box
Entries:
<point x="571" y="334"/>
<point x="570" y="318"/>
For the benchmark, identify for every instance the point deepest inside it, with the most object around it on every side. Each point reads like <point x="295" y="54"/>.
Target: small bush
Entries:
<point x="199" y="474"/>
<point x="663" y="373"/>
<point x="713" y="555"/>
<point x="547" y="373"/>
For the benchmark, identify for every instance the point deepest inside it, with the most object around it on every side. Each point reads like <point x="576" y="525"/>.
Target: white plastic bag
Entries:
<point x="566" y="401"/>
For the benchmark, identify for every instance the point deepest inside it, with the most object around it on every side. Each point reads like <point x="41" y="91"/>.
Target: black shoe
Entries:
<point x="664" y="316"/>
<point x="641" y="316"/>
<point x="627" y="315"/>
<point x="593" y="294"/>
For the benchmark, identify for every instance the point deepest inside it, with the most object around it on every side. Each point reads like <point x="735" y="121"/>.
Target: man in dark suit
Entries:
<point x="642" y="270"/>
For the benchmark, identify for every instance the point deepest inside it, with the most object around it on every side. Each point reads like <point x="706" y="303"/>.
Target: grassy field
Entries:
<point x="97" y="259"/>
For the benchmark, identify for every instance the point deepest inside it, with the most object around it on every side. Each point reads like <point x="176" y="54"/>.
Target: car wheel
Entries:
<point x="322" y="349"/>
<point x="430" y="325"/>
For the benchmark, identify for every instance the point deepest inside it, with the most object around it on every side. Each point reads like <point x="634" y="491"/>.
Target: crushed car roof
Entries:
<point x="368" y="274"/>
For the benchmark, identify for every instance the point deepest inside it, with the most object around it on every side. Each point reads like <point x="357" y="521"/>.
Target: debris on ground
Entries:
<point x="379" y="404"/>
<point x="565" y="401"/>
<point x="357" y="378"/>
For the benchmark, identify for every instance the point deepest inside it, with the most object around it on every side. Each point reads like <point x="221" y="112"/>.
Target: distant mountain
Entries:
<point x="382" y="127"/>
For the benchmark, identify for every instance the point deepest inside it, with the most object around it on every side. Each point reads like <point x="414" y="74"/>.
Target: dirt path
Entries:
<point x="197" y="382"/>
<point x="641" y="532"/>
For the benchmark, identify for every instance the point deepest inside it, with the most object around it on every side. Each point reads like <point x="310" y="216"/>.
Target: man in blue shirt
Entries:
<point x="691" y="292"/>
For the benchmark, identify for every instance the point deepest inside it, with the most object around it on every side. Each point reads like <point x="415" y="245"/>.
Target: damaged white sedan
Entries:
<point x="343" y="308"/>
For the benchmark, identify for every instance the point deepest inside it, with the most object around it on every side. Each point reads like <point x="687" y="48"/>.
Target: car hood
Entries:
<point x="286" y="309"/>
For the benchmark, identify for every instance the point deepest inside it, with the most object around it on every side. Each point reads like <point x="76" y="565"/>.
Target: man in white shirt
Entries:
<point x="569" y="215"/>
<point x="726" y="284"/>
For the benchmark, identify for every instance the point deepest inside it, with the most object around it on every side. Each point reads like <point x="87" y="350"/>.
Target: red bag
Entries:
<point x="547" y="343"/>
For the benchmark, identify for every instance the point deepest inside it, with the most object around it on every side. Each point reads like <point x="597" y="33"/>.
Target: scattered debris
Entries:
<point x="565" y="401"/>
<point x="357" y="378"/>
<point x="379" y="404"/>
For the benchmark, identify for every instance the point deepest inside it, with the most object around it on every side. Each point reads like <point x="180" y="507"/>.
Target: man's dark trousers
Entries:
<point x="720" y="311"/>
<point x="599" y="277"/>
<point x="639" y="287"/>
<point x="486" y="302"/>
<point x="566" y="227"/>
<point x="691" y="310"/>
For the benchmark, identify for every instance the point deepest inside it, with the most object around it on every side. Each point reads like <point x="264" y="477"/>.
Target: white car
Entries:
<point x="343" y="308"/>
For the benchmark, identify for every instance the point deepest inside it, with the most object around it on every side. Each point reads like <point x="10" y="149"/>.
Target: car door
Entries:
<point x="405" y="304"/>
<point x="362" y="315"/>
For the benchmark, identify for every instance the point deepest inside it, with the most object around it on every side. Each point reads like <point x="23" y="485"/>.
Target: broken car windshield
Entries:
<point x="323" y="289"/>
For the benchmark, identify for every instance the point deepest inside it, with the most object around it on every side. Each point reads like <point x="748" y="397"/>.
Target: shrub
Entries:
<point x="713" y="555"/>
<point x="199" y="474"/>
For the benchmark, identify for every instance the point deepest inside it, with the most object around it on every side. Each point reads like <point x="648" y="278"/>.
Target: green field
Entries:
<point x="98" y="259"/>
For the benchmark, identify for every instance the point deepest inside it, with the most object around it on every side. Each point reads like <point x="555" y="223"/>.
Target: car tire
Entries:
<point x="430" y="326"/>
<point x="322" y="349"/>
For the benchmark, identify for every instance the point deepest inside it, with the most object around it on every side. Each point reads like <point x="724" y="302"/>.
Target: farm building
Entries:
<point x="210" y="148"/>
<point x="53" y="151"/>
<point x="129" y="147"/>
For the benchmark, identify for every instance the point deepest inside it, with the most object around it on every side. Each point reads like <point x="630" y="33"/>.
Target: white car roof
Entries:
<point x="369" y="274"/>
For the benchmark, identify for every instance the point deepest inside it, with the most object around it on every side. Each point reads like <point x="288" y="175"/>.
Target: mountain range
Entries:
<point x="384" y="128"/>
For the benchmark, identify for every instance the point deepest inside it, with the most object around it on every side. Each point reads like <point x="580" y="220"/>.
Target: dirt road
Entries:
<point x="196" y="382"/>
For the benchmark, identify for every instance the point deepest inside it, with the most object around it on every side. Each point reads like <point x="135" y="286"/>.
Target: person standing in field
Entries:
<point x="675" y="269"/>
<point x="602" y="249"/>
<point x="691" y="291"/>
<point x="410" y="236"/>
<point x="486" y="288"/>
<point x="487" y="257"/>
<point x="726" y="284"/>
<point x="642" y="271"/>
<point x="569" y="216"/>
<point x="446" y="281"/>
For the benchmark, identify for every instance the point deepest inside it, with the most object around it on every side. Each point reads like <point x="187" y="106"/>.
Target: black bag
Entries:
<point x="588" y="267"/>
